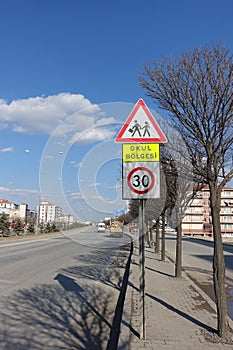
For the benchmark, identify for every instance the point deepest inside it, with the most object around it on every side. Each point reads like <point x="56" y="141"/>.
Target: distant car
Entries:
<point x="170" y="230"/>
<point x="101" y="227"/>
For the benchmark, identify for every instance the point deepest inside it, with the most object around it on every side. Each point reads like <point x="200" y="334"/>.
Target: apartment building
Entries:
<point x="66" y="219"/>
<point x="198" y="220"/>
<point x="20" y="211"/>
<point x="48" y="212"/>
<point x="14" y="210"/>
<point x="5" y="204"/>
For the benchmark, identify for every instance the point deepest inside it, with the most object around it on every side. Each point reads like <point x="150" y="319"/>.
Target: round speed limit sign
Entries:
<point x="141" y="180"/>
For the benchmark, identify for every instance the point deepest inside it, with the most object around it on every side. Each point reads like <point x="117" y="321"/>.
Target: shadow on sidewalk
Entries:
<point x="182" y="314"/>
<point x="159" y="272"/>
<point x="157" y="259"/>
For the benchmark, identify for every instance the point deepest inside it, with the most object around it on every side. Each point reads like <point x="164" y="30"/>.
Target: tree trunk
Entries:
<point x="150" y="235"/>
<point x="178" y="265"/>
<point x="218" y="263"/>
<point x="163" y="237"/>
<point x="157" y="236"/>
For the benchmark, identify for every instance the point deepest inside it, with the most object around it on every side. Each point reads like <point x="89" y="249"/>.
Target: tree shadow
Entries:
<point x="133" y="286"/>
<point x="72" y="313"/>
<point x="49" y="317"/>
<point x="98" y="267"/>
<point x="156" y="259"/>
<point x="181" y="313"/>
<point x="116" y="256"/>
<point x="159" y="272"/>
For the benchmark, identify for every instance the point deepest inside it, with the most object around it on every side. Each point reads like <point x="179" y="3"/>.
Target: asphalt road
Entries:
<point x="60" y="292"/>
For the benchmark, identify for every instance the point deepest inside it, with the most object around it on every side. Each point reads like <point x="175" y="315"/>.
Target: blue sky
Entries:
<point x="67" y="66"/>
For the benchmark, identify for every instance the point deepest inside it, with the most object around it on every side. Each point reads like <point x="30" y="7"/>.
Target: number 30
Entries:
<point x="141" y="182"/>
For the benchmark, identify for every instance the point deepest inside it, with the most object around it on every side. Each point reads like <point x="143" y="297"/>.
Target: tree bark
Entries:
<point x="163" y="237"/>
<point x="157" y="236"/>
<point x="178" y="264"/>
<point x="149" y="236"/>
<point x="218" y="263"/>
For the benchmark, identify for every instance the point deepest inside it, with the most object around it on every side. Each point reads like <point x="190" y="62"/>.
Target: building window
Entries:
<point x="227" y="210"/>
<point x="197" y="217"/>
<point x="227" y="218"/>
<point x="227" y="226"/>
<point x="227" y="193"/>
<point x="197" y="210"/>
<point x="197" y="201"/>
<point x="206" y="194"/>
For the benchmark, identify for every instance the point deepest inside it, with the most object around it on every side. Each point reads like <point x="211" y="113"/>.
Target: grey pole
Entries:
<point x="142" y="269"/>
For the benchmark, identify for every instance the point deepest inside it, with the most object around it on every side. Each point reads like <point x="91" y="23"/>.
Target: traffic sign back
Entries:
<point x="141" y="127"/>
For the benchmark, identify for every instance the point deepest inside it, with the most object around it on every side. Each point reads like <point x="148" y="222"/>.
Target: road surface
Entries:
<point x="60" y="292"/>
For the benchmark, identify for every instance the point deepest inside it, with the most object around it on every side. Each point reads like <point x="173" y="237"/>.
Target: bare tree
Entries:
<point x="171" y="175"/>
<point x="197" y="91"/>
<point x="179" y="176"/>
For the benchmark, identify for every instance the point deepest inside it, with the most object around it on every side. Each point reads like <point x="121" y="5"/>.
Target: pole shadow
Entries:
<point x="181" y="313"/>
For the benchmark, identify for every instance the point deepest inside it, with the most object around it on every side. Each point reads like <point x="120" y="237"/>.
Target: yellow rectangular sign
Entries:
<point x="140" y="152"/>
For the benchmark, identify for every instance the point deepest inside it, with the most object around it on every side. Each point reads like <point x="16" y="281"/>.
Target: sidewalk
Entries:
<point x="178" y="316"/>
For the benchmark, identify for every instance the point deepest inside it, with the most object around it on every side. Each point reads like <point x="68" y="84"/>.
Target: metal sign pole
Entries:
<point x="141" y="174"/>
<point x="142" y="269"/>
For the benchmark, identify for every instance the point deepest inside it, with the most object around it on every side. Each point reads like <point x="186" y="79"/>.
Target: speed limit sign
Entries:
<point x="141" y="180"/>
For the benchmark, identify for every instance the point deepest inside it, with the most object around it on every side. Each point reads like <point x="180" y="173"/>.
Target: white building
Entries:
<point x="4" y="211"/>
<point x="48" y="212"/>
<point x="16" y="211"/>
<point x="65" y="219"/>
<point x="5" y="204"/>
<point x="20" y="211"/>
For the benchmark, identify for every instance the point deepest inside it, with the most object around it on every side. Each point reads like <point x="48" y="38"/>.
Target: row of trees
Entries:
<point x="195" y="91"/>
<point x="17" y="226"/>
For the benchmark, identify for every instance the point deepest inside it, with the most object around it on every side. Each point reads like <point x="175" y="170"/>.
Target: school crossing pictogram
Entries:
<point x="137" y="129"/>
<point x="141" y="127"/>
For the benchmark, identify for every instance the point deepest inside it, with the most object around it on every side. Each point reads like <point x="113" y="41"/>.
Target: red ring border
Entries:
<point x="152" y="178"/>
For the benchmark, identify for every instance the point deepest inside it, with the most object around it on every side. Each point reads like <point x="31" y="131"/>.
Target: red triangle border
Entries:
<point x="161" y="139"/>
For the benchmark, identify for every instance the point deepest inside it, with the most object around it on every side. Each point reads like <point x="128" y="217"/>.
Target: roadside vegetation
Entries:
<point x="195" y="91"/>
<point x="17" y="227"/>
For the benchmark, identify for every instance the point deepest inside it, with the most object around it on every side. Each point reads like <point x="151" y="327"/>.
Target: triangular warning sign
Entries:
<point x="141" y="127"/>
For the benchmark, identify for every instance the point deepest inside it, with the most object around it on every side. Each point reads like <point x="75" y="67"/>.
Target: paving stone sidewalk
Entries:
<point x="178" y="317"/>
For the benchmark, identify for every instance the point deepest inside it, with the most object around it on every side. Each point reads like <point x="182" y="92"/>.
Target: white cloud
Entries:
<point x="43" y="114"/>
<point x="61" y="116"/>
<point x="75" y="195"/>
<point x="6" y="149"/>
<point x="18" y="191"/>
<point x="92" y="135"/>
<point x="4" y="189"/>
<point x="20" y="195"/>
